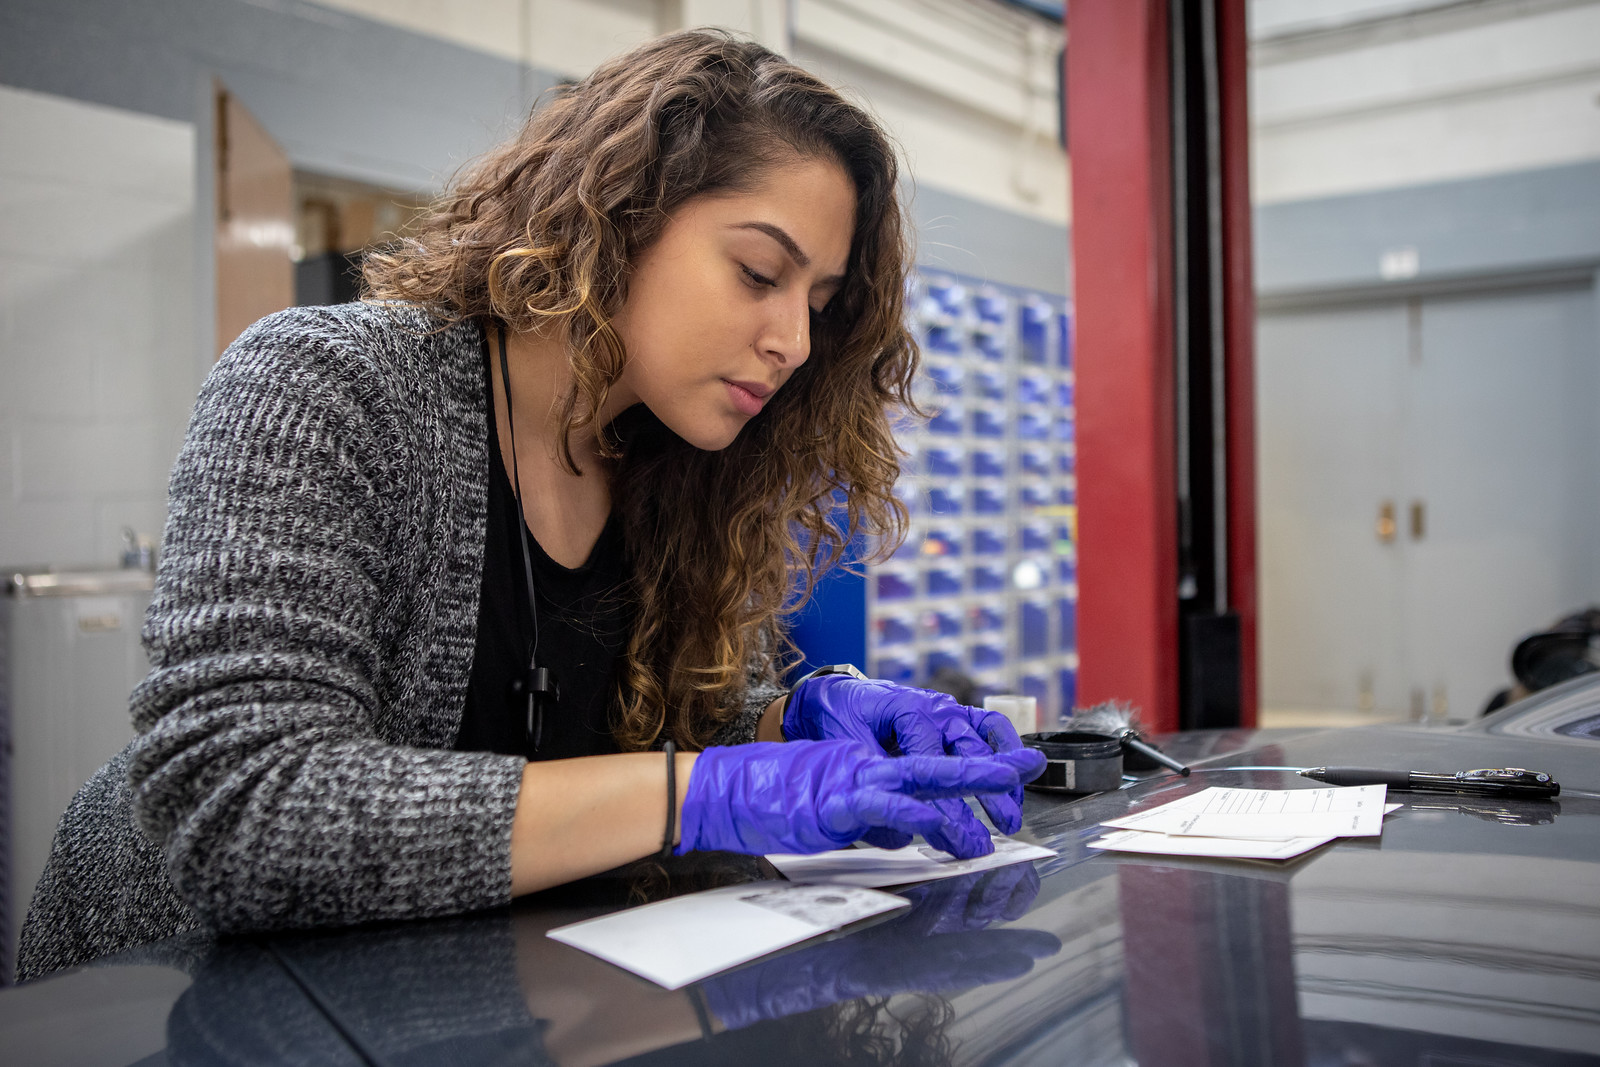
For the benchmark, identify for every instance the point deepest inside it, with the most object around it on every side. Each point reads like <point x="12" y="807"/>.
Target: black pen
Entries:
<point x="1485" y="782"/>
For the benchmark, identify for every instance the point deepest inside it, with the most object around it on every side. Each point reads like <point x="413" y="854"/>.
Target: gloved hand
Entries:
<point x="939" y="946"/>
<point x="916" y="722"/>
<point x="812" y="797"/>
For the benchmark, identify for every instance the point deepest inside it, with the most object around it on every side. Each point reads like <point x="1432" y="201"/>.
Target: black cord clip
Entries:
<point x="541" y="689"/>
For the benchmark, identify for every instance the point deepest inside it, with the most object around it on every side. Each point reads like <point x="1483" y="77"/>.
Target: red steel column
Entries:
<point x="1239" y="325"/>
<point x="1118" y="145"/>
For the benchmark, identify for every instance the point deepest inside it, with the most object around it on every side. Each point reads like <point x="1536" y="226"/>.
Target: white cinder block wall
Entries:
<point x="97" y="323"/>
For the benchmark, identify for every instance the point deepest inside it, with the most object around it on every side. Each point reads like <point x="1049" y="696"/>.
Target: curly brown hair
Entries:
<point x="540" y="234"/>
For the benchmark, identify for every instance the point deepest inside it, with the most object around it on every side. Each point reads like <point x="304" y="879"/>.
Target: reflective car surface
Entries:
<point x="1467" y="934"/>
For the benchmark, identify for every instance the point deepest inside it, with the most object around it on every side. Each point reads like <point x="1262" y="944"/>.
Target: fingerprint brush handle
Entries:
<point x="1136" y="745"/>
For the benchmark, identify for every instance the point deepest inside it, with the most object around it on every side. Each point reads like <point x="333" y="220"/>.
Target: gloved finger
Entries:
<point x="883" y="837"/>
<point x="851" y="814"/>
<point x="961" y="739"/>
<point x="1029" y="763"/>
<point x="919" y="735"/>
<point x="962" y="835"/>
<point x="997" y="730"/>
<point x="944" y="776"/>
<point x="1004" y="810"/>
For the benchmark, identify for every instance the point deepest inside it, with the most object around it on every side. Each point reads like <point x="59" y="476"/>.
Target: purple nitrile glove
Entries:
<point x="914" y="721"/>
<point x="821" y="795"/>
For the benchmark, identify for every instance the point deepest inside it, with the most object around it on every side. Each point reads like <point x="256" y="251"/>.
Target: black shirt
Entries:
<point x="583" y="630"/>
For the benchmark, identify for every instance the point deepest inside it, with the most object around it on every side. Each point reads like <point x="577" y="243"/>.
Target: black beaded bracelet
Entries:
<point x="672" y="799"/>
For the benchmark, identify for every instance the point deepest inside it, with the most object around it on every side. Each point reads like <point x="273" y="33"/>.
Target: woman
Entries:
<point x="440" y="567"/>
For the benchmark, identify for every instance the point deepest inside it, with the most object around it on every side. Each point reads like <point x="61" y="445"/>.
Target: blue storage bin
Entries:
<point x="895" y="585"/>
<point x="1066" y="494"/>
<point x="1035" y="538"/>
<point x="947" y="377"/>
<point x="942" y="338"/>
<point x="1067" y="612"/>
<point x="1064" y="341"/>
<point x="988" y="422"/>
<point x="1033" y="333"/>
<point x="942" y="659"/>
<point x="1067" y="678"/>
<point x="944" y="500"/>
<point x="948" y="298"/>
<point x="986" y="579"/>
<point x="1033" y="461"/>
<point x="990" y="346"/>
<point x="947" y="420"/>
<point x="941" y="543"/>
<point x="985" y="656"/>
<point x="942" y="461"/>
<point x="943" y="623"/>
<point x="943" y="581"/>
<point x="1036" y="686"/>
<point x="987" y="500"/>
<point x="988" y="541"/>
<point x="896" y="669"/>
<point x="989" y="385"/>
<point x="986" y="618"/>
<point x="1035" y="628"/>
<point x="1063" y="428"/>
<point x="1066" y="461"/>
<point x="896" y="630"/>
<point x="1064" y="394"/>
<point x="992" y="307"/>
<point x="1031" y="390"/>
<point x="1067" y="570"/>
<point x="987" y="463"/>
<point x="1032" y="427"/>
<point x="1030" y="497"/>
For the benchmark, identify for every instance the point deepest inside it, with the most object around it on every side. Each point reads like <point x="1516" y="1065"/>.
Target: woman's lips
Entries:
<point x="746" y="399"/>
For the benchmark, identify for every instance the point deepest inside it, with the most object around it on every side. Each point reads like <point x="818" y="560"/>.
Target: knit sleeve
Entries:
<point x="761" y="689"/>
<point x="260" y="764"/>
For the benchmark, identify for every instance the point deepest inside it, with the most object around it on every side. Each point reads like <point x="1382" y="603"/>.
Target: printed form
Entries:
<point x="1267" y="814"/>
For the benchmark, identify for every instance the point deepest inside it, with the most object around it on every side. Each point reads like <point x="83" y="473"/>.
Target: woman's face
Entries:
<point x="718" y="312"/>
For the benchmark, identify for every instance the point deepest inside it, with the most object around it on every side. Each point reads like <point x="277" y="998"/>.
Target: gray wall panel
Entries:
<point x="964" y="236"/>
<point x="1500" y="225"/>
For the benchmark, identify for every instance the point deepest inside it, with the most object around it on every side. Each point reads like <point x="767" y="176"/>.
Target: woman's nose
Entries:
<point x="787" y="337"/>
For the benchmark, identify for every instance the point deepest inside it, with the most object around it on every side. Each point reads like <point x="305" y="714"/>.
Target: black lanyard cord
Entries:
<point x="537" y="683"/>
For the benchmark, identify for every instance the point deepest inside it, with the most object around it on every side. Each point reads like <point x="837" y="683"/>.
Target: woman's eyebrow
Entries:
<point x="780" y="235"/>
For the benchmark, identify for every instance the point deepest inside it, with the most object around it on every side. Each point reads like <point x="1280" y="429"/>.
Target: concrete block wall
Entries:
<point x="97" y="363"/>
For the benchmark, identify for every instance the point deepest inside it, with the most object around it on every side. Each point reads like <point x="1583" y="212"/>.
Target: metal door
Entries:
<point x="1430" y="488"/>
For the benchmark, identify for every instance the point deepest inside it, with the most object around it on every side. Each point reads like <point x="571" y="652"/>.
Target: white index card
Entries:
<point x="681" y="940"/>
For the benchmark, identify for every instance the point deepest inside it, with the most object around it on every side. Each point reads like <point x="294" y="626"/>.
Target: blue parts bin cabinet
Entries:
<point x="987" y="580"/>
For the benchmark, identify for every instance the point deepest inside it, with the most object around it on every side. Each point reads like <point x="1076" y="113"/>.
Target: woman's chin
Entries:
<point x="710" y="435"/>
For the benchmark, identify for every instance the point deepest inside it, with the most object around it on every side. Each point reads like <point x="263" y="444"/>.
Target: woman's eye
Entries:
<point x="760" y="281"/>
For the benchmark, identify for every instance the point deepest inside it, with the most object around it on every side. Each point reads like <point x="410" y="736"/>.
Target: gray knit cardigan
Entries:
<point x="311" y="639"/>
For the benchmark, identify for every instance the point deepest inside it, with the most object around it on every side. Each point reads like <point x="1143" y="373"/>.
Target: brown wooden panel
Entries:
<point x="254" y="223"/>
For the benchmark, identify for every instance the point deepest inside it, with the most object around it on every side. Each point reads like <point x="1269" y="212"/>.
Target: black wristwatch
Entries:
<point x="833" y="668"/>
